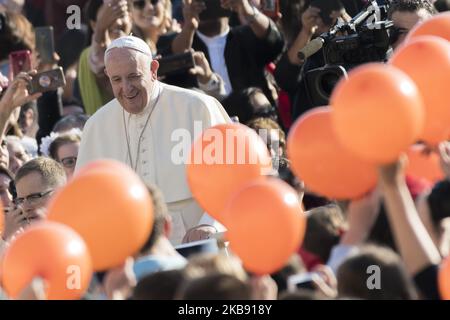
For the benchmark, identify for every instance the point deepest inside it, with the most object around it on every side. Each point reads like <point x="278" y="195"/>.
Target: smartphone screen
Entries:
<point x="45" y="45"/>
<point x="20" y="61"/>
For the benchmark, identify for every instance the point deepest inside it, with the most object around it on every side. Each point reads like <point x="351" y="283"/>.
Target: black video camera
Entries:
<point x="366" y="38"/>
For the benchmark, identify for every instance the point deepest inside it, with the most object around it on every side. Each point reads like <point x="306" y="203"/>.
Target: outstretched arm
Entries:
<point x="415" y="244"/>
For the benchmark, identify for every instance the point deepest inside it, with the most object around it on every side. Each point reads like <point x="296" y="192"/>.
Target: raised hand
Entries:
<point x="17" y="93"/>
<point x="202" y="69"/>
<point x="191" y="12"/>
<point x="310" y="20"/>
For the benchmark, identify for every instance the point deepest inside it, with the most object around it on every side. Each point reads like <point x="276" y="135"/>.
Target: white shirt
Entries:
<point x="216" y="50"/>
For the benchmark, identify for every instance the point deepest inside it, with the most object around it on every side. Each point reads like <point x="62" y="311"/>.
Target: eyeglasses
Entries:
<point x="32" y="198"/>
<point x="140" y="4"/>
<point x="69" y="162"/>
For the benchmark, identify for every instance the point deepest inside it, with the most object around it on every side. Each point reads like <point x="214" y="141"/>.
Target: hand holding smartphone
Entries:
<point x="303" y="281"/>
<point x="175" y="64"/>
<point x="47" y="81"/>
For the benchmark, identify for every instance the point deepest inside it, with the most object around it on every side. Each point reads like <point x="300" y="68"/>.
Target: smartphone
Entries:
<point x="20" y="61"/>
<point x="326" y="7"/>
<point x="213" y="10"/>
<point x="45" y="44"/>
<point x="301" y="282"/>
<point x="175" y="64"/>
<point x="47" y="81"/>
<point x="271" y="8"/>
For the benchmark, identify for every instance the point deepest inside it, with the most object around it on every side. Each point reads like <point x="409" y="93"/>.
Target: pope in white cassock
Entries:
<point x="137" y="127"/>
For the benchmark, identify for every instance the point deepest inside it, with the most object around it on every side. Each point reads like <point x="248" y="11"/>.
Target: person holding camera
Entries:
<point x="290" y="70"/>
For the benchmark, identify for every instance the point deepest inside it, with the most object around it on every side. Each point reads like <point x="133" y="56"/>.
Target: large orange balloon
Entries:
<point x="423" y="164"/>
<point x="221" y="160"/>
<point x="266" y="225"/>
<point x="444" y="279"/>
<point x="318" y="158"/>
<point x="112" y="211"/>
<point x="427" y="61"/>
<point x="377" y="113"/>
<point x="52" y="251"/>
<point x="439" y="26"/>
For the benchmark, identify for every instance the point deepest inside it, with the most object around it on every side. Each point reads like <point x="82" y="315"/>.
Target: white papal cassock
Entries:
<point x="176" y="108"/>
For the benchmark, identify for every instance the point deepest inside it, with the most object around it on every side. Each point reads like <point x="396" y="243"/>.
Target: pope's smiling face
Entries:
<point x="132" y="75"/>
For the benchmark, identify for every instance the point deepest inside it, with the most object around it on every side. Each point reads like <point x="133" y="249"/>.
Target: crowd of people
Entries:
<point x="246" y="69"/>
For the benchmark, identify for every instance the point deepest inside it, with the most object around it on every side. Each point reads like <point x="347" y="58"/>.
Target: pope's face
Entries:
<point x="132" y="75"/>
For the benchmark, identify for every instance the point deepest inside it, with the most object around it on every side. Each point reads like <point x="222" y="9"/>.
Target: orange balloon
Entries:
<point x="377" y="113"/>
<point x="112" y="211"/>
<point x="432" y="76"/>
<point x="438" y="25"/>
<point x="318" y="158"/>
<point x="53" y="252"/>
<point x="424" y="165"/>
<point x="224" y="158"/>
<point x="266" y="225"/>
<point x="444" y="279"/>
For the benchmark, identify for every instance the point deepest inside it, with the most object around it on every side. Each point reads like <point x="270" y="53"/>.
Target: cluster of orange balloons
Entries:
<point x="110" y="207"/>
<point x="226" y="173"/>
<point x="376" y="114"/>
<point x="101" y="217"/>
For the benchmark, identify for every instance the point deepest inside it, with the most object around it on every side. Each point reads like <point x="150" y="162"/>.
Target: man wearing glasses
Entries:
<point x="35" y="182"/>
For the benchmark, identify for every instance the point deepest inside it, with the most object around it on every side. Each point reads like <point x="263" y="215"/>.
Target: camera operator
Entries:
<point x="290" y="68"/>
<point x="405" y="14"/>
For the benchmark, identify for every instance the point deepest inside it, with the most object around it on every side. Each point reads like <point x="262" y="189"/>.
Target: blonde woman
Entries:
<point x="151" y="20"/>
